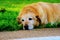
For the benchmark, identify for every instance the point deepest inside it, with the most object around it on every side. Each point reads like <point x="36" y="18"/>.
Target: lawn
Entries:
<point x="13" y="7"/>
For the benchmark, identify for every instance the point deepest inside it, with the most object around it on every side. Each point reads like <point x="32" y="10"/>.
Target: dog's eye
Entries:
<point x="30" y="18"/>
<point x="22" y="19"/>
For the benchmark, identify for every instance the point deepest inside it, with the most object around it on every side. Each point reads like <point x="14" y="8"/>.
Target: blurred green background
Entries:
<point x="13" y="7"/>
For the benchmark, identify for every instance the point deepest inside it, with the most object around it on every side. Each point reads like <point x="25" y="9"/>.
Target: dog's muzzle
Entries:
<point x="26" y="27"/>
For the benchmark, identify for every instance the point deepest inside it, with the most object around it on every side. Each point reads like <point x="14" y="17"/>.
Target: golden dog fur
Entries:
<point x="47" y="12"/>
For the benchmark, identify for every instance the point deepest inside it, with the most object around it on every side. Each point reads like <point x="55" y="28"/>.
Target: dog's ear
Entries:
<point x="18" y="20"/>
<point x="38" y="19"/>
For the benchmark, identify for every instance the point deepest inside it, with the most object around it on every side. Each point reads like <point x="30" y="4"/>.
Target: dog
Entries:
<point x="39" y="13"/>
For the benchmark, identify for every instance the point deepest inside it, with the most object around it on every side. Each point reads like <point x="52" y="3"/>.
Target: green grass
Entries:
<point x="13" y="7"/>
<point x="8" y="21"/>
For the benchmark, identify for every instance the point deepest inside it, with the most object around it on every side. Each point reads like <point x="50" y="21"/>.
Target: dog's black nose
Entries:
<point x="26" y="27"/>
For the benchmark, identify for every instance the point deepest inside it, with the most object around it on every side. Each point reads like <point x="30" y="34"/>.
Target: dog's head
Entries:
<point x="29" y="19"/>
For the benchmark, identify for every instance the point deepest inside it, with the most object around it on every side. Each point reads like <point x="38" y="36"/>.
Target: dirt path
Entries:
<point x="30" y="33"/>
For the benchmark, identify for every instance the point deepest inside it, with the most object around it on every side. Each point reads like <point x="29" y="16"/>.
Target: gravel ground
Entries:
<point x="30" y="33"/>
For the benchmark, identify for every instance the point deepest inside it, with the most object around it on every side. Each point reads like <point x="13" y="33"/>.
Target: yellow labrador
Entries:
<point x="39" y="13"/>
